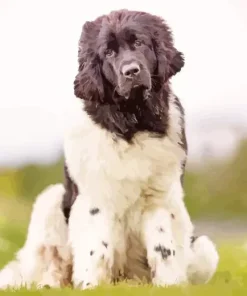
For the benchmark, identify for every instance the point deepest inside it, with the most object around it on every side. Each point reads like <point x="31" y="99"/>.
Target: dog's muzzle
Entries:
<point x="133" y="75"/>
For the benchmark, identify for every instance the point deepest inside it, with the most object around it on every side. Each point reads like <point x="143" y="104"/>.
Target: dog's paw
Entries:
<point x="165" y="268"/>
<point x="97" y="267"/>
<point x="168" y="276"/>
<point x="204" y="261"/>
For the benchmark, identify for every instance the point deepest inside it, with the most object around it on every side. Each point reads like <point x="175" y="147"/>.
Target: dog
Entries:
<point x="125" y="154"/>
<point x="121" y="211"/>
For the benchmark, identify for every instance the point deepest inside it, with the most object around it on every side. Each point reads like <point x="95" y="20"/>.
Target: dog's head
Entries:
<point x="122" y="52"/>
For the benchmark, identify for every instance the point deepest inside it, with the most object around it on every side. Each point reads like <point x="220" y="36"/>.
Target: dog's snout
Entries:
<point x="131" y="70"/>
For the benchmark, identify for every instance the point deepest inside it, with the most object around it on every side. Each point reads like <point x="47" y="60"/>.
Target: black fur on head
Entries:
<point x="123" y="40"/>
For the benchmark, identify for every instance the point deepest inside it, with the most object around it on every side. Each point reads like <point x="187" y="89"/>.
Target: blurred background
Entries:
<point x="38" y="63"/>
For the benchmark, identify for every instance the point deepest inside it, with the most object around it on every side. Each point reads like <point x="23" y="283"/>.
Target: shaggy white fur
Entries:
<point x="45" y="258"/>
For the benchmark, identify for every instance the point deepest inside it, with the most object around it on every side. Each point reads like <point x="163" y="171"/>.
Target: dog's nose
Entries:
<point x="131" y="70"/>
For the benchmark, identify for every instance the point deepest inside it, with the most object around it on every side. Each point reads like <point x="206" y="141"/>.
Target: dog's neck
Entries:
<point x="142" y="111"/>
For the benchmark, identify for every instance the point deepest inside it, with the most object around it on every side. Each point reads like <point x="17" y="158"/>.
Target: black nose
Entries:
<point x="131" y="70"/>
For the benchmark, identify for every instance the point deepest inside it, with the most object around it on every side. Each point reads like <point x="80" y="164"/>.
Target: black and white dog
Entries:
<point x="125" y="153"/>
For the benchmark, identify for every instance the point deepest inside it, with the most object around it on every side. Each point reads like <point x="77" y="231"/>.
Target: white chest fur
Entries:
<point x="102" y="165"/>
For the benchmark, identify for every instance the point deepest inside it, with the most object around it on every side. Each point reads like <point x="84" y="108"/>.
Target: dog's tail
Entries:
<point x="45" y="258"/>
<point x="204" y="261"/>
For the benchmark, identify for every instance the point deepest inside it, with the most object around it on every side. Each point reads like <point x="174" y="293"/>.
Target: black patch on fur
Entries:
<point x="105" y="244"/>
<point x="87" y="284"/>
<point x="183" y="142"/>
<point x="161" y="229"/>
<point x="193" y="239"/>
<point x="165" y="253"/>
<point x="91" y="253"/>
<point x="71" y="192"/>
<point x="173" y="216"/>
<point x="94" y="211"/>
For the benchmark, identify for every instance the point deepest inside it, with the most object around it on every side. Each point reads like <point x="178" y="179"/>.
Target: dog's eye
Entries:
<point x="138" y="43"/>
<point x="109" y="52"/>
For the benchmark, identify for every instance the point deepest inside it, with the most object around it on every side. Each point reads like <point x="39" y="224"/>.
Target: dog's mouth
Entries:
<point x="133" y="89"/>
<point x="131" y="93"/>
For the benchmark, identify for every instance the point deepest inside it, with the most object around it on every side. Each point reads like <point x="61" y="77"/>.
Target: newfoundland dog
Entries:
<point x="125" y="152"/>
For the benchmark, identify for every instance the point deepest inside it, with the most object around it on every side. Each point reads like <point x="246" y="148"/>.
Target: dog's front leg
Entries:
<point x="161" y="249"/>
<point x="90" y="230"/>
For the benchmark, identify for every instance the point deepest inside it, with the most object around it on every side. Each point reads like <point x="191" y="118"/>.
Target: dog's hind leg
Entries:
<point x="10" y="276"/>
<point x="204" y="260"/>
<point x="45" y="258"/>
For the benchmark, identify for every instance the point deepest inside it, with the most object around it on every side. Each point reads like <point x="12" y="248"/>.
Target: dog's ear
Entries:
<point x="170" y="60"/>
<point x="88" y="84"/>
<point x="175" y="64"/>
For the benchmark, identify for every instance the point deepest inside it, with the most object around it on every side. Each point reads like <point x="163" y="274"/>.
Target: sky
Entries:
<point x="38" y="63"/>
